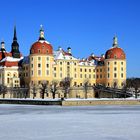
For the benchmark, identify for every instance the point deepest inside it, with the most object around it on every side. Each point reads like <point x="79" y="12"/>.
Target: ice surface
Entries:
<point x="21" y="122"/>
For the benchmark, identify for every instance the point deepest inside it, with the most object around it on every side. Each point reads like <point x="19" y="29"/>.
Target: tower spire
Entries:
<point x="15" y="34"/>
<point x="15" y="46"/>
<point x="41" y="37"/>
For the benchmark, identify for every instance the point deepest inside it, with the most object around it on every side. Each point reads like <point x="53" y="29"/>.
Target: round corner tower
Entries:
<point x="115" y="65"/>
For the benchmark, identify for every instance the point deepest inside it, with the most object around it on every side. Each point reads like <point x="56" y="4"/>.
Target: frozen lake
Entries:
<point x="21" y="122"/>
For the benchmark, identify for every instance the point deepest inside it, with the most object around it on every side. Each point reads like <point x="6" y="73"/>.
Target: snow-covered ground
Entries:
<point x="21" y="122"/>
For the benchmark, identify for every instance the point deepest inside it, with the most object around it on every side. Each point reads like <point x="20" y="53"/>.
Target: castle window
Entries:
<point x="75" y="69"/>
<point x="47" y="65"/>
<point x="8" y="74"/>
<point x="108" y="75"/>
<point x="115" y="69"/>
<point x="39" y="65"/>
<point x="80" y="70"/>
<point x="60" y="63"/>
<point x="39" y="58"/>
<point x="100" y="70"/>
<point x="121" y="75"/>
<point x="60" y="68"/>
<point x="75" y="75"/>
<point x="85" y="70"/>
<point x="97" y="70"/>
<point x="108" y="63"/>
<point x="108" y="69"/>
<point x="115" y="75"/>
<point x="94" y="76"/>
<point x="75" y="83"/>
<point x="54" y="74"/>
<point x="122" y="84"/>
<point x="26" y="74"/>
<point x="38" y="50"/>
<point x="54" y="68"/>
<point x="89" y="70"/>
<point x="68" y="68"/>
<point x="39" y="72"/>
<point x="8" y="80"/>
<point x="32" y="72"/>
<point x="85" y="76"/>
<point x="89" y="75"/>
<point x="75" y="64"/>
<point x="121" y="63"/>
<point x="47" y="58"/>
<point x="115" y="56"/>
<point x="47" y="72"/>
<point x="47" y="51"/>
<point x="100" y="75"/>
<point x="121" y="68"/>
<point x="32" y="65"/>
<point x="61" y="75"/>
<point x="68" y="63"/>
<point x="15" y="75"/>
<point x="80" y="75"/>
<point x="93" y="70"/>
<point x="115" y="63"/>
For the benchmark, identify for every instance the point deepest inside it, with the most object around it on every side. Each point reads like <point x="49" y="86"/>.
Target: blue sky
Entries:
<point x="87" y="26"/>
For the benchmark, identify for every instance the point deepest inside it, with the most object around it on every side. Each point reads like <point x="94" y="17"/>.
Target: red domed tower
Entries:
<point x="115" y="52"/>
<point x="115" y="63"/>
<point x="41" y="60"/>
<point x="41" y="46"/>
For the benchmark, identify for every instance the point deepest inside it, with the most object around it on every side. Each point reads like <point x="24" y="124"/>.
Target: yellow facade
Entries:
<point x="110" y="72"/>
<point x="41" y="67"/>
<point x="115" y="72"/>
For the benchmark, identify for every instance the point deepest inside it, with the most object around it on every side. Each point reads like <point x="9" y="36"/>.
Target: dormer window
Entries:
<point x="32" y="51"/>
<point x="39" y="51"/>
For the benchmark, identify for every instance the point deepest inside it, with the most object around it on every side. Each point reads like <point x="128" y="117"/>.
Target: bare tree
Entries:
<point x="115" y="84"/>
<point x="124" y="89"/>
<point x="53" y="88"/>
<point x="86" y="83"/>
<point x="133" y="83"/>
<point x="66" y="85"/>
<point x="3" y="90"/>
<point x="44" y="89"/>
<point x="34" y="89"/>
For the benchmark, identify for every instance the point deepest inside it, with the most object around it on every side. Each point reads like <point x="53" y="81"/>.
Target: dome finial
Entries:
<point x="41" y="37"/>
<point x="3" y="45"/>
<point x="115" y="41"/>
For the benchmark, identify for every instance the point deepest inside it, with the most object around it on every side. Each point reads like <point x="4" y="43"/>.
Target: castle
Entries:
<point x="46" y="64"/>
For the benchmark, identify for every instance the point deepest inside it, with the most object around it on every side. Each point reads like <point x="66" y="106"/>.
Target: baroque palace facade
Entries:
<point x="45" y="64"/>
